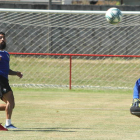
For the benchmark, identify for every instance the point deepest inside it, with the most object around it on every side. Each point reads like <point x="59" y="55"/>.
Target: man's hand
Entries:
<point x="19" y="74"/>
<point x="0" y="57"/>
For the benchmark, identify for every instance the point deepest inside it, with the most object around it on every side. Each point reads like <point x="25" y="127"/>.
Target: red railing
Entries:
<point x="70" y="55"/>
<point x="96" y="55"/>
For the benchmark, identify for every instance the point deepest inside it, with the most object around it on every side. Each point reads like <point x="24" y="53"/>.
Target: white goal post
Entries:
<point x="72" y="49"/>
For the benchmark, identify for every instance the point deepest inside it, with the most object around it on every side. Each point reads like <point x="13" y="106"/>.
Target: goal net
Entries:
<point x="80" y="49"/>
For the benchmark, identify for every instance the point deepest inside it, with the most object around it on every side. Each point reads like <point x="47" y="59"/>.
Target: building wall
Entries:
<point x="100" y="2"/>
<point x="131" y="2"/>
<point x="27" y="5"/>
<point x="41" y="5"/>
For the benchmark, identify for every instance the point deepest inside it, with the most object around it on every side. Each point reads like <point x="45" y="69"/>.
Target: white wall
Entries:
<point x="66" y="1"/>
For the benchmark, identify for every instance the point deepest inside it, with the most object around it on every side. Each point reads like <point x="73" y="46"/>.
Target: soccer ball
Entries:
<point x="113" y="15"/>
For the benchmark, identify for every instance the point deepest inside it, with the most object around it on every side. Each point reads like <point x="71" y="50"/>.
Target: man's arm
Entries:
<point x="19" y="74"/>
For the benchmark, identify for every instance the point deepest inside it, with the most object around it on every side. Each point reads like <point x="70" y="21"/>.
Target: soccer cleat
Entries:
<point x="2" y="128"/>
<point x="11" y="126"/>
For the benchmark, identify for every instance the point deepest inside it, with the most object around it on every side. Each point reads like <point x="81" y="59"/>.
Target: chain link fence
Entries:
<point x="78" y="33"/>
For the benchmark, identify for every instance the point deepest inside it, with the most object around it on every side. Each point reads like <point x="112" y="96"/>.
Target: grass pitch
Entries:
<point x="46" y="114"/>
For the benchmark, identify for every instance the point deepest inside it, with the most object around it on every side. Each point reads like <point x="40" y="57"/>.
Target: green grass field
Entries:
<point x="48" y="114"/>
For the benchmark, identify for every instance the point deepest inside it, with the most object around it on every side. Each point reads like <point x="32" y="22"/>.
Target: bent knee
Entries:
<point x="11" y="104"/>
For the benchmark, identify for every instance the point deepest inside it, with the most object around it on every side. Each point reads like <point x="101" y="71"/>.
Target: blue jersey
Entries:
<point x="4" y="63"/>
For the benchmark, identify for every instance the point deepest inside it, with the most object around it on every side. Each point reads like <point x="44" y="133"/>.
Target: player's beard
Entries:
<point x="2" y="45"/>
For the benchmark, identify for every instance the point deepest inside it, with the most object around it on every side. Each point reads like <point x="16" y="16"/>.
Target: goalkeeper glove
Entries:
<point x="136" y="102"/>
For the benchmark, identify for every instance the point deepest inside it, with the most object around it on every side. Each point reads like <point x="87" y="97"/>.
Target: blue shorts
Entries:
<point x="4" y="86"/>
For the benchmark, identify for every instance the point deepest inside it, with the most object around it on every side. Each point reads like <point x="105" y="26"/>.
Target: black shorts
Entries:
<point x="4" y="86"/>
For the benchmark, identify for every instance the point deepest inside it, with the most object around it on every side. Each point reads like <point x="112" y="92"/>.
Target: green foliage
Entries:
<point x="118" y="3"/>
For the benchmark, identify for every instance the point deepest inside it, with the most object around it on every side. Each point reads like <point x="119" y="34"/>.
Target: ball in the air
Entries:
<point x="113" y="15"/>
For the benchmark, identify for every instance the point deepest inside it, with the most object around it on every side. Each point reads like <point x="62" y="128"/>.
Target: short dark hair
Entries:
<point x="2" y="33"/>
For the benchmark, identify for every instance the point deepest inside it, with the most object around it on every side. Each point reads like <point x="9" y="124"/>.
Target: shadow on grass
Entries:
<point x="50" y="129"/>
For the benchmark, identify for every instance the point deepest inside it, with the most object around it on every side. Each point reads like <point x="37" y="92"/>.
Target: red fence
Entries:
<point x="70" y="58"/>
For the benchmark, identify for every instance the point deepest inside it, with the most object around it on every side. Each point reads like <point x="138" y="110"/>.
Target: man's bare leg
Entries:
<point x="2" y="107"/>
<point x="8" y="98"/>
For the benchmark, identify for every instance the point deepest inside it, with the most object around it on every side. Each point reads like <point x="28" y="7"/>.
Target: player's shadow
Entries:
<point x="59" y="129"/>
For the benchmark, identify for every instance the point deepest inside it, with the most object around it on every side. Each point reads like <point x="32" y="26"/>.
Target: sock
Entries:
<point x="8" y="122"/>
